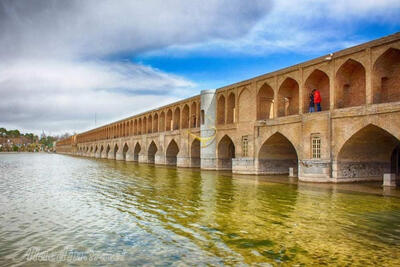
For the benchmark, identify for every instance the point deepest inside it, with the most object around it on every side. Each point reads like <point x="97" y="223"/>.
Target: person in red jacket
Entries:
<point x="317" y="99"/>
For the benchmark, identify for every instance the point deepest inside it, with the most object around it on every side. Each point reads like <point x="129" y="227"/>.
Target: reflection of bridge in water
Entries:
<point x="261" y="125"/>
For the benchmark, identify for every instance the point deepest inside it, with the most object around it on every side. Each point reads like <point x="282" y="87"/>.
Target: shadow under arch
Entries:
<point x="276" y="155"/>
<point x="108" y="150"/>
<point x="367" y="155"/>
<point x="115" y="151"/>
<point x="350" y="85"/>
<point x="195" y="153"/>
<point x="101" y="151"/>
<point x="171" y="153"/>
<point x="136" y="152"/>
<point x="386" y="77"/>
<point x="151" y="152"/>
<point x="125" y="150"/>
<point x="225" y="152"/>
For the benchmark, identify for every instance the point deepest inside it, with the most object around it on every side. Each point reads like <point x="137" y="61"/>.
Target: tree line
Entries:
<point x="14" y="140"/>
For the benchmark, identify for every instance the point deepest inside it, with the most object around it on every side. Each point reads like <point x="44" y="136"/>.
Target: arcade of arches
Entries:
<point x="263" y="125"/>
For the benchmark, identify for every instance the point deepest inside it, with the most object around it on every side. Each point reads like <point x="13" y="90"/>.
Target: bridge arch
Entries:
<point x="151" y="152"/>
<point x="136" y="152"/>
<point x="162" y="122"/>
<point x="193" y="116"/>
<point x="177" y="118"/>
<point x="115" y="151"/>
<point x="108" y="150"/>
<point x="101" y="151"/>
<point x="155" y="123"/>
<point x="124" y="151"/>
<point x="265" y="102"/>
<point x="168" y="123"/>
<point x="230" y="115"/>
<point x="135" y="126"/>
<point x="288" y="98"/>
<point x="221" y="110"/>
<point x="276" y="155"/>
<point x="195" y="153"/>
<point x="150" y="124"/>
<point x="225" y="153"/>
<point x="354" y="161"/>
<point x="317" y="80"/>
<point x="386" y="77"/>
<point x="350" y="85"/>
<point x="185" y="117"/>
<point x="171" y="153"/>
<point x="144" y="129"/>
<point x="139" y="128"/>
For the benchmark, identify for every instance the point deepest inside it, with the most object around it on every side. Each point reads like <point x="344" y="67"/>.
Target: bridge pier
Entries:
<point x="130" y="156"/>
<point x="315" y="171"/>
<point x="183" y="162"/>
<point x="159" y="159"/>
<point x="245" y="165"/>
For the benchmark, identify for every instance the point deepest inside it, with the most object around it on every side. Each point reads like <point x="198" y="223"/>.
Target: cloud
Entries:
<point x="64" y="96"/>
<point x="95" y="28"/>
<point x="311" y="27"/>
<point x="55" y="63"/>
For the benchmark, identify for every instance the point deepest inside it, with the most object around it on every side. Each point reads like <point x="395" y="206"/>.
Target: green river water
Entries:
<point x="62" y="210"/>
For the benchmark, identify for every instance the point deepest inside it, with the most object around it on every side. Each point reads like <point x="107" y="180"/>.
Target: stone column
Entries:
<point x="207" y="130"/>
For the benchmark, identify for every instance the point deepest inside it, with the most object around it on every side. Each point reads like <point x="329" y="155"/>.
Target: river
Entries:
<point x="72" y="210"/>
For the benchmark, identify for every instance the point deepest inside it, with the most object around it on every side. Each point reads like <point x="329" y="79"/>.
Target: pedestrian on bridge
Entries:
<point x="311" y="108"/>
<point x="317" y="99"/>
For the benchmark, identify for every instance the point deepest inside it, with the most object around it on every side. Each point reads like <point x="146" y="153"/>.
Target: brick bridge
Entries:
<point x="262" y="125"/>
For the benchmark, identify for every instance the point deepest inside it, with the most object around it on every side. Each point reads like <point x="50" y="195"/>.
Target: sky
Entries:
<point x="69" y="66"/>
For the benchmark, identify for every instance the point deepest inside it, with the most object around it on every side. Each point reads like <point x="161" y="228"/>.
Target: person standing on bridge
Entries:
<point x="311" y="107"/>
<point x="317" y="99"/>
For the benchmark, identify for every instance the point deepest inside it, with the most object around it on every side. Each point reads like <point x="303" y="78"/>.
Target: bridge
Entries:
<point x="262" y="125"/>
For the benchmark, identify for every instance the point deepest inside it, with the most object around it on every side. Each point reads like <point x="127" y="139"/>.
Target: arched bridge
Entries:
<point x="262" y="125"/>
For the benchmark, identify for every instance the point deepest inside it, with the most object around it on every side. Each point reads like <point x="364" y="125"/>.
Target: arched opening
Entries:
<point x="135" y="127"/>
<point x="144" y="129"/>
<point x="152" y="152"/>
<point x="172" y="153"/>
<point x="386" y="77"/>
<point x="177" y="118"/>
<point x="350" y="85"/>
<point x="139" y="128"/>
<point x="136" y="152"/>
<point x="230" y="116"/>
<point x="367" y="154"/>
<point x="195" y="153"/>
<point x="95" y="150"/>
<point x="277" y="155"/>
<point x="221" y="110"/>
<point x="101" y="151"/>
<point x="162" y="122"/>
<point x="169" y="120"/>
<point x="320" y="81"/>
<point x="155" y="123"/>
<point x="108" y="150"/>
<point x="226" y="152"/>
<point x="193" y="117"/>
<point x="150" y="124"/>
<point x="124" y="151"/>
<point x="185" y="117"/>
<point x="115" y="151"/>
<point x="288" y="98"/>
<point x="265" y="103"/>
